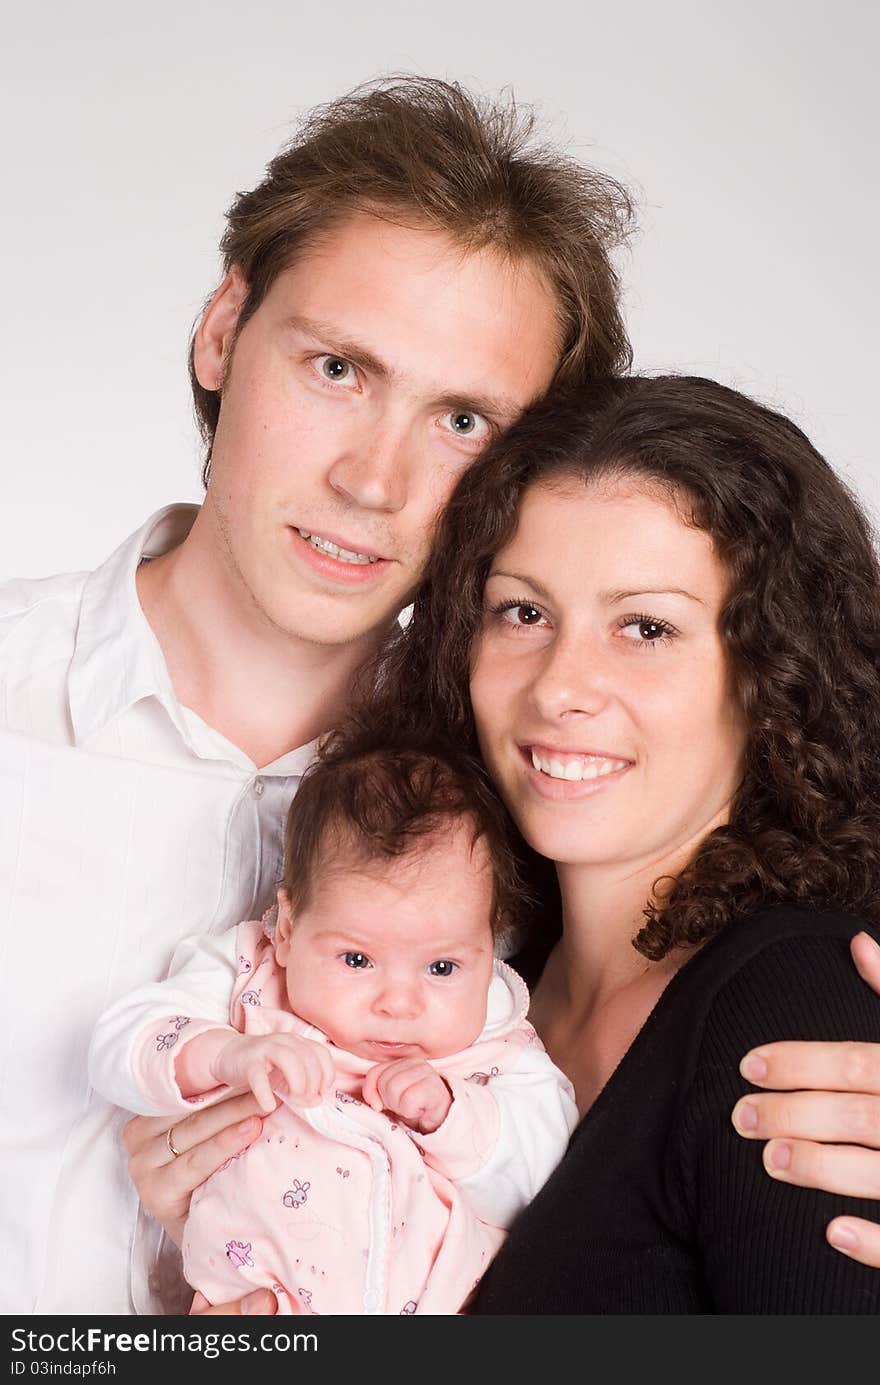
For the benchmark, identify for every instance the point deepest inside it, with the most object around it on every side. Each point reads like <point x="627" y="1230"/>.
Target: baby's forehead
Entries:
<point x="453" y="843"/>
<point x="410" y="900"/>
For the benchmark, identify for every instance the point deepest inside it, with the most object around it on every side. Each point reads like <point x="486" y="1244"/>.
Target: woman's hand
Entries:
<point x="822" y="1118"/>
<point x="205" y="1140"/>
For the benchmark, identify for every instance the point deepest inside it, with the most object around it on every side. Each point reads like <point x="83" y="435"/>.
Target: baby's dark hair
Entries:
<point x="362" y="802"/>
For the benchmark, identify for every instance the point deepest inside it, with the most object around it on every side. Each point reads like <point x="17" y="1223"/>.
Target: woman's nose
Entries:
<point x="572" y="677"/>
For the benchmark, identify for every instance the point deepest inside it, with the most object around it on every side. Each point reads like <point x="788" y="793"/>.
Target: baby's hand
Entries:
<point x="282" y="1063"/>
<point x="411" y="1089"/>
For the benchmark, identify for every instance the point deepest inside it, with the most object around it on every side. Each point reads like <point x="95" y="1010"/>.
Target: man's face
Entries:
<point x="373" y="373"/>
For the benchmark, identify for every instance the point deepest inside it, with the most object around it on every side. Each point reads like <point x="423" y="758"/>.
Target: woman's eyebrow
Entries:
<point x="526" y="581"/>
<point x="613" y="596"/>
<point x="610" y="598"/>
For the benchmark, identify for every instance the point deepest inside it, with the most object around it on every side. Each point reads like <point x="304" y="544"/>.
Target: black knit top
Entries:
<point x="658" y="1205"/>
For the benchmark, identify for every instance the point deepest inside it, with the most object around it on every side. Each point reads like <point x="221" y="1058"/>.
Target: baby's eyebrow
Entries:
<point x="455" y="949"/>
<point x="334" y="936"/>
<point x="432" y="950"/>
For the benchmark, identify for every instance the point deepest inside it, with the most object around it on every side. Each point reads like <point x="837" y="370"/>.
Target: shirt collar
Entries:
<point x="117" y="659"/>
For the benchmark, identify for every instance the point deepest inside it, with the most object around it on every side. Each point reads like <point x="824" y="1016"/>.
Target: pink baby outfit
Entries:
<point x="341" y="1209"/>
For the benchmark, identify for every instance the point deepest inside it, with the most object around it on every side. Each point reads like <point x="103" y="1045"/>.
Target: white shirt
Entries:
<point x="126" y="823"/>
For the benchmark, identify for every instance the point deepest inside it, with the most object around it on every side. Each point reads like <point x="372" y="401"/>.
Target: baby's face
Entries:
<point x="394" y="959"/>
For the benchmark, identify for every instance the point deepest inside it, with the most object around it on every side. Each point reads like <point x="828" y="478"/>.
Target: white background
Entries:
<point x="749" y="131"/>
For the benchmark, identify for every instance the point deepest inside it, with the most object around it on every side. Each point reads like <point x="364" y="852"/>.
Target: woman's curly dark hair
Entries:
<point x="801" y="628"/>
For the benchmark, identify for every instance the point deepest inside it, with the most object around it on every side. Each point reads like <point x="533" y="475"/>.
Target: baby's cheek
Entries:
<point x="464" y="1022"/>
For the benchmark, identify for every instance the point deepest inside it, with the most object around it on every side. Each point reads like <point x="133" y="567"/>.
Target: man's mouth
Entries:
<point x="333" y="550"/>
<point x="574" y="767"/>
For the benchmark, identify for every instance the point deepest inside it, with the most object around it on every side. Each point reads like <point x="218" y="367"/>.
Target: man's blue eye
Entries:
<point x="357" y="960"/>
<point x="442" y="968"/>
<point x="336" y="367"/>
<point x="466" y="424"/>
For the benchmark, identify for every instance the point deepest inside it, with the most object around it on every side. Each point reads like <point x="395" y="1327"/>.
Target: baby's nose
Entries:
<point x="398" y="997"/>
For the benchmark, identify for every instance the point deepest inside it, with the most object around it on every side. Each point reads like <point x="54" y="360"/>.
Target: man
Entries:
<point x="406" y="279"/>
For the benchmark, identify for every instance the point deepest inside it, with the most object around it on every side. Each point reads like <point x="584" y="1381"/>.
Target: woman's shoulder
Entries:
<point x="782" y="972"/>
<point x="775" y="926"/>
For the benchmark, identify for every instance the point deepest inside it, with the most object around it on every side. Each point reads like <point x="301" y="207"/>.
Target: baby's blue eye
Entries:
<point x="357" y="960"/>
<point x="442" y="968"/>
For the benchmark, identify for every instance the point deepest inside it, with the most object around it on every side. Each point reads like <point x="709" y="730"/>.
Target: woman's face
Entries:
<point x="600" y="687"/>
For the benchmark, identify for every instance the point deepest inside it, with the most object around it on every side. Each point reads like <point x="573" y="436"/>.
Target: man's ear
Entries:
<point x="216" y="331"/>
<point x="283" y="928"/>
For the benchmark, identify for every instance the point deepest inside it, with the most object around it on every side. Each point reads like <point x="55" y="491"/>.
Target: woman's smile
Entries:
<point x="565" y="774"/>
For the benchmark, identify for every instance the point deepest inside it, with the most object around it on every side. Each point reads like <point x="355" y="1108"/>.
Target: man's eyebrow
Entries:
<point x="493" y="406"/>
<point x="331" y="337"/>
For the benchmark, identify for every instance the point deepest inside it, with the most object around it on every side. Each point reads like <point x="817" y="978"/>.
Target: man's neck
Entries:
<point x="265" y="691"/>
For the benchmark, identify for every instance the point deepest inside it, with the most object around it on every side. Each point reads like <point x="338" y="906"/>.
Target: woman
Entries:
<point x="667" y="608"/>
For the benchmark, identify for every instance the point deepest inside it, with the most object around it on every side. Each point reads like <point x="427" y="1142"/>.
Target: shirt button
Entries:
<point x="258" y="787"/>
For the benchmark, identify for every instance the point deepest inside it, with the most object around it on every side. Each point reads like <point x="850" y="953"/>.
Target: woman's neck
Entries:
<point x="602" y="913"/>
<point x="597" y="990"/>
<point x="603" y="908"/>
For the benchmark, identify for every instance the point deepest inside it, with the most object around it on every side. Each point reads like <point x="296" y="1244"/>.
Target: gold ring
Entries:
<point x="169" y="1140"/>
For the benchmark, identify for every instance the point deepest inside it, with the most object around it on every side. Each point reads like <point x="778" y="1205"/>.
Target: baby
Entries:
<point x="411" y="1110"/>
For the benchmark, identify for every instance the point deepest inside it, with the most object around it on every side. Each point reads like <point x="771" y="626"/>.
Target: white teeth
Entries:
<point x="344" y="555"/>
<point x="575" y="770"/>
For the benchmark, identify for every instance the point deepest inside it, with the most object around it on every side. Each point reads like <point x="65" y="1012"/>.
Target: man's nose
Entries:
<point x="573" y="676"/>
<point x="370" y="470"/>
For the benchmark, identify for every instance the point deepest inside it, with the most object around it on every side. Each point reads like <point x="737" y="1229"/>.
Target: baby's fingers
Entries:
<point x="405" y="1086"/>
<point x="370" y="1090"/>
<point x="328" y="1069"/>
<point x="260" y="1085"/>
<point x="307" y="1071"/>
